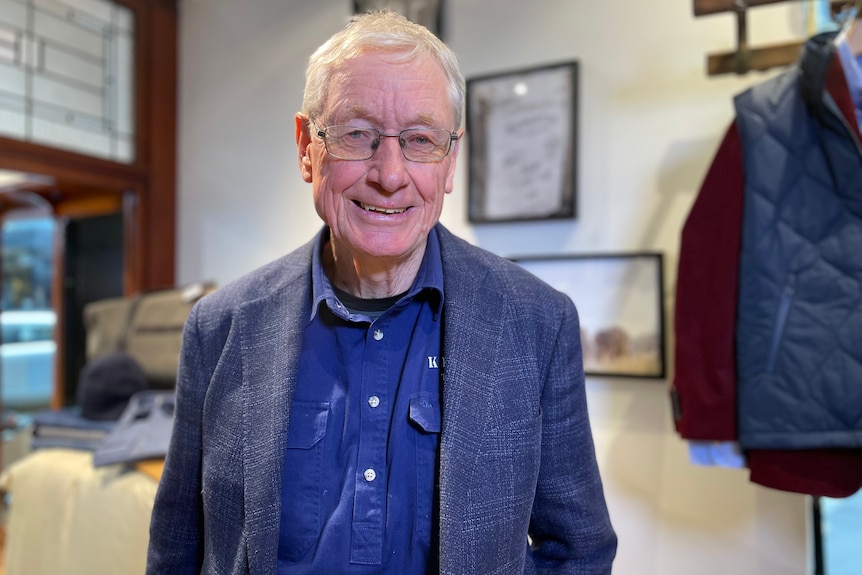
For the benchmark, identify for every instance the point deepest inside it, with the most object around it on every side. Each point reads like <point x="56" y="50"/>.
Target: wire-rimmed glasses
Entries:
<point x="360" y="143"/>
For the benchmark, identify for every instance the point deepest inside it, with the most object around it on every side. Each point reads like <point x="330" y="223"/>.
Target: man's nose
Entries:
<point x="389" y="169"/>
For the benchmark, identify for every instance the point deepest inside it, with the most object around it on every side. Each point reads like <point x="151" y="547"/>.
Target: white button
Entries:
<point x="378" y="334"/>
<point x="369" y="475"/>
<point x="373" y="401"/>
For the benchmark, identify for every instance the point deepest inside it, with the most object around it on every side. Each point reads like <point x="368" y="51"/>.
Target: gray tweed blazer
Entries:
<point x="516" y="451"/>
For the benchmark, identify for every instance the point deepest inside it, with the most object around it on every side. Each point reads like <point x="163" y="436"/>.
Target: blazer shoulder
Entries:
<point x="473" y="276"/>
<point x="466" y="264"/>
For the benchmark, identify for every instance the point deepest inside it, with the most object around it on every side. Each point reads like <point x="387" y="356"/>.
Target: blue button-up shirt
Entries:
<point x="359" y="482"/>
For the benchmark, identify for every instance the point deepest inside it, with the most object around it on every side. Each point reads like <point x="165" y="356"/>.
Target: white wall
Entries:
<point x="650" y="121"/>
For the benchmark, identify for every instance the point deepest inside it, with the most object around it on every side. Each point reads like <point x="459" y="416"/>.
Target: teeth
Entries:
<point x="383" y="210"/>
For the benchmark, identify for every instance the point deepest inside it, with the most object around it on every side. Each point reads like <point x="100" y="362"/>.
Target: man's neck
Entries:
<point x="370" y="277"/>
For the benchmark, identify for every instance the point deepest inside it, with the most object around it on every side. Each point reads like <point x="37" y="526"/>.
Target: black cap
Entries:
<point x="106" y="384"/>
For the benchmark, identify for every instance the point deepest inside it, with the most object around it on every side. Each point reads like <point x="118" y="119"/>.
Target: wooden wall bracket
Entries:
<point x="707" y="7"/>
<point x="744" y="59"/>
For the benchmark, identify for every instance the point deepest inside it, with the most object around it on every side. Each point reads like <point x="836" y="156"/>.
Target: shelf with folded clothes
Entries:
<point x="118" y="417"/>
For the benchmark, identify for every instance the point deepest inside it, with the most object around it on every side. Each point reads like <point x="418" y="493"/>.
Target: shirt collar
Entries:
<point x="430" y="275"/>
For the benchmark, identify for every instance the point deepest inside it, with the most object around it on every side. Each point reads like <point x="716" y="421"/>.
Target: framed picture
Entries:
<point x="429" y="13"/>
<point x="522" y="133"/>
<point x="620" y="301"/>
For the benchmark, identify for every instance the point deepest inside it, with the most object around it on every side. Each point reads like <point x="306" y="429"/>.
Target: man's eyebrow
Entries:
<point x="426" y="119"/>
<point x="360" y="113"/>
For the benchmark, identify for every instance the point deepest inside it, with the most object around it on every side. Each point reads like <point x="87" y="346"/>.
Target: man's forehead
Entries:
<point x="358" y="112"/>
<point x="415" y="97"/>
<point x="383" y="69"/>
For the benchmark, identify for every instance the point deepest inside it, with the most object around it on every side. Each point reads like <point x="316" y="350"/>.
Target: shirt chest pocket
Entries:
<point x="425" y="413"/>
<point x="307" y="424"/>
<point x="425" y="419"/>
<point x="300" y="485"/>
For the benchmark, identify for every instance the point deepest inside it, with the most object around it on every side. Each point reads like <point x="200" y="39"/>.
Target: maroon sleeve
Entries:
<point x="704" y="384"/>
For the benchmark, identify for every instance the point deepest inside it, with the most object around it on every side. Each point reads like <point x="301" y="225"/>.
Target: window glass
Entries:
<point x="66" y="75"/>
<point x="27" y="319"/>
<point x="841" y="532"/>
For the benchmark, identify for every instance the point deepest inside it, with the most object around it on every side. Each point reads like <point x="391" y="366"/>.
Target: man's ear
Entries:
<point x="303" y="139"/>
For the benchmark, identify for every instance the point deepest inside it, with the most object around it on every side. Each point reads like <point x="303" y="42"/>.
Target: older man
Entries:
<point x="387" y="398"/>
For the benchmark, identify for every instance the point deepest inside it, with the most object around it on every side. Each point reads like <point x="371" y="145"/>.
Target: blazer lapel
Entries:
<point x="472" y="328"/>
<point x="271" y="330"/>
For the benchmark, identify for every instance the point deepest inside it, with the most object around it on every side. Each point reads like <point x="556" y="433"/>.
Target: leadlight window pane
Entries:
<point x="123" y="21"/>
<point x="7" y="43"/>
<point x="98" y="10"/>
<point x="72" y="97"/>
<point x="122" y="96"/>
<point x="13" y="13"/>
<point x="13" y="80"/>
<point x="12" y="124"/>
<point x="86" y="141"/>
<point x="52" y="28"/>
<point x="67" y="66"/>
<point x="73" y="67"/>
<point x="125" y="149"/>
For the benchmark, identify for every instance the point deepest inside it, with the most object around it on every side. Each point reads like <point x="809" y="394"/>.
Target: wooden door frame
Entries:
<point x="77" y="185"/>
<point x="151" y="178"/>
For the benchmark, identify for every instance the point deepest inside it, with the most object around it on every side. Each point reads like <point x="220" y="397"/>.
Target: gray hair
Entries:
<point x="379" y="31"/>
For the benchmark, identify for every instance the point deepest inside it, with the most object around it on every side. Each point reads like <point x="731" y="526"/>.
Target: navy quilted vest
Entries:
<point x="799" y="324"/>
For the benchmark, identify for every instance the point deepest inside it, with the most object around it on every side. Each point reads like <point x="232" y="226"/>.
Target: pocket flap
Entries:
<point x="307" y="424"/>
<point x="425" y="413"/>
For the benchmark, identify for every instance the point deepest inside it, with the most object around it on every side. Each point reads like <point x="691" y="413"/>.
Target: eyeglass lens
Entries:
<point x="417" y="144"/>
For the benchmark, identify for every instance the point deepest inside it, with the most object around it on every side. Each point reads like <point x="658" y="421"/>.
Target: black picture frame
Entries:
<point x="522" y="128"/>
<point x="620" y="302"/>
<point x="429" y="13"/>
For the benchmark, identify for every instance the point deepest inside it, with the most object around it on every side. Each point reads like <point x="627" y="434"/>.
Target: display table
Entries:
<point x="66" y="517"/>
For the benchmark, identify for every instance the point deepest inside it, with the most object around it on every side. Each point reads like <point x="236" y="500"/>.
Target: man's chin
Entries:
<point x="382" y="245"/>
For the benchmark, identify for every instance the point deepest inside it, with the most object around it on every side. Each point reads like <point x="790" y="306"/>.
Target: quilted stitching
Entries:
<point x="799" y="330"/>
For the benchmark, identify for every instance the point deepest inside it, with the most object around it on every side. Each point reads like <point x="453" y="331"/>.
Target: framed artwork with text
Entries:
<point x="522" y="133"/>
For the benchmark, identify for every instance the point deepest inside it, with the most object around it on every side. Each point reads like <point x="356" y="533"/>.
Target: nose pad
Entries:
<point x="397" y="145"/>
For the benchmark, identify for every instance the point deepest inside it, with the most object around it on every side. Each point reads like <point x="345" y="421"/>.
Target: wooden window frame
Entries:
<point x="77" y="185"/>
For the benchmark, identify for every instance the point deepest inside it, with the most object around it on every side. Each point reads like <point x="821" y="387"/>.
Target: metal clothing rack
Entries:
<point x="745" y="58"/>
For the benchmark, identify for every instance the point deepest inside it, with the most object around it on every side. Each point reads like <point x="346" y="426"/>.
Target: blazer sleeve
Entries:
<point x="704" y="385"/>
<point x="175" y="529"/>
<point x="570" y="527"/>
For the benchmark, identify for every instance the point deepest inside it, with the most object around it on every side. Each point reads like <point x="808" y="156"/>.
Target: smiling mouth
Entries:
<point x="378" y="210"/>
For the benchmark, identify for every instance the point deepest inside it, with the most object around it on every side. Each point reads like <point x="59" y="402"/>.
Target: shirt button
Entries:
<point x="369" y="475"/>
<point x="378" y="334"/>
<point x="373" y="401"/>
